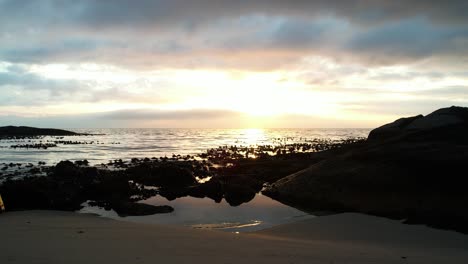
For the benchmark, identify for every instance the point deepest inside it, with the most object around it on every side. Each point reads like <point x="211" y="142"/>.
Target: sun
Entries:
<point x="260" y="109"/>
<point x="259" y="96"/>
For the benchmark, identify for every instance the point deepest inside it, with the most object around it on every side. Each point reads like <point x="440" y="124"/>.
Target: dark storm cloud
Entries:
<point x="184" y="34"/>
<point x="35" y="48"/>
<point x="304" y="34"/>
<point x="414" y="38"/>
<point x="117" y="12"/>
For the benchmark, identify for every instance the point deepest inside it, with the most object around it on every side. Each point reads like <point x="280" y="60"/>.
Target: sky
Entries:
<point x="228" y="63"/>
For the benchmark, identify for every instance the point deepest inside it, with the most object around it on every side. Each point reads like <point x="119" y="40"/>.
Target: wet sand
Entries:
<point x="62" y="237"/>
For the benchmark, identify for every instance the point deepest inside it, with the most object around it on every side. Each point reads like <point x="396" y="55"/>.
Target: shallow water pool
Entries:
<point x="260" y="213"/>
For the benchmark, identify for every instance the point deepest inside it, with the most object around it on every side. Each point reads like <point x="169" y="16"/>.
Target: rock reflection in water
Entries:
<point x="260" y="213"/>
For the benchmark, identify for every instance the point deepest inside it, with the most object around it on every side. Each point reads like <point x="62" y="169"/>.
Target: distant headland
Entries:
<point x="25" y="131"/>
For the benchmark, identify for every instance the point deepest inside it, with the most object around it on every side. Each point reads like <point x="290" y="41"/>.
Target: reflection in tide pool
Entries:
<point x="260" y="213"/>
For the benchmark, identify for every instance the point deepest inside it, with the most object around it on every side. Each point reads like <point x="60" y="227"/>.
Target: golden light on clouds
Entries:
<point x="261" y="98"/>
<point x="284" y="64"/>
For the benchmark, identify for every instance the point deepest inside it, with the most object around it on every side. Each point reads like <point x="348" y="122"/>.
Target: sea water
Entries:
<point x="111" y="144"/>
<point x="203" y="213"/>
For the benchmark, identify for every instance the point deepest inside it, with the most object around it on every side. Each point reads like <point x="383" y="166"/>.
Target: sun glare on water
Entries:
<point x="253" y="135"/>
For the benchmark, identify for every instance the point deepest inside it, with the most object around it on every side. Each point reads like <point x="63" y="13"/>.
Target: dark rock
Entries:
<point x="236" y="194"/>
<point x="162" y="175"/>
<point x="139" y="209"/>
<point x="249" y="181"/>
<point x="66" y="169"/>
<point x="82" y="162"/>
<point x="26" y="194"/>
<point x="392" y="129"/>
<point x="22" y="131"/>
<point x="69" y="187"/>
<point x="173" y="193"/>
<point x="443" y="118"/>
<point x="415" y="174"/>
<point x="212" y="189"/>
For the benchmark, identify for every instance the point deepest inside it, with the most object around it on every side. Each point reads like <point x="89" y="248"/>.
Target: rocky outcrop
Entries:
<point x="445" y="118"/>
<point x="68" y="185"/>
<point x="411" y="169"/>
<point x="441" y="118"/>
<point x="392" y="129"/>
<point x="168" y="175"/>
<point x="140" y="209"/>
<point x="24" y="131"/>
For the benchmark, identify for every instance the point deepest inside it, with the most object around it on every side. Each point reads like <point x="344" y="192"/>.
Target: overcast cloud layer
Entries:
<point x="360" y="58"/>
<point x="201" y="33"/>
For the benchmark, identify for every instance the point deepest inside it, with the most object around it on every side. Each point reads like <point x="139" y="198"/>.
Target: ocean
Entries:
<point x="128" y="143"/>
<point x="112" y="144"/>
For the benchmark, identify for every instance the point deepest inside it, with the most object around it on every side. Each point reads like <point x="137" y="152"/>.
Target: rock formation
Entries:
<point x="413" y="169"/>
<point x="24" y="131"/>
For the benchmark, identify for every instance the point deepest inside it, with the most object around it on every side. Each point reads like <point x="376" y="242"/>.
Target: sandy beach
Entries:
<point x="62" y="237"/>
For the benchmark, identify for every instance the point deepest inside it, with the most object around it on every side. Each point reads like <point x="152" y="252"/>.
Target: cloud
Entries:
<point x="409" y="39"/>
<point x="352" y="54"/>
<point x="21" y="87"/>
<point x="399" y="108"/>
<point x="129" y="13"/>
<point x="19" y="76"/>
<point x="196" y="118"/>
<point x="146" y="114"/>
<point x="454" y="93"/>
<point x="228" y="34"/>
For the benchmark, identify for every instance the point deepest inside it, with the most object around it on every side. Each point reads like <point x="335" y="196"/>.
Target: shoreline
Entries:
<point x="64" y="237"/>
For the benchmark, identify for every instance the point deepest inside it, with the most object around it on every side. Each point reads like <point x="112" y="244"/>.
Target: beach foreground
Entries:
<point x="64" y="237"/>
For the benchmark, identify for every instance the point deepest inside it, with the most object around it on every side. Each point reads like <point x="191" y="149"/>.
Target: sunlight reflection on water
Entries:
<point x="140" y="143"/>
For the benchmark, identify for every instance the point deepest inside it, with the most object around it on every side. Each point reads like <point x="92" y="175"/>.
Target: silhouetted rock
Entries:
<point x="162" y="175"/>
<point x="443" y="117"/>
<point x="212" y="189"/>
<point x="81" y="177"/>
<point x="411" y="169"/>
<point x="68" y="186"/>
<point x="172" y="193"/>
<point x="139" y="209"/>
<point x="30" y="193"/>
<point x="392" y="129"/>
<point x="236" y="194"/>
<point x="249" y="181"/>
<point x="67" y="169"/>
<point x="453" y="117"/>
<point x="22" y="131"/>
<point x="82" y="162"/>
